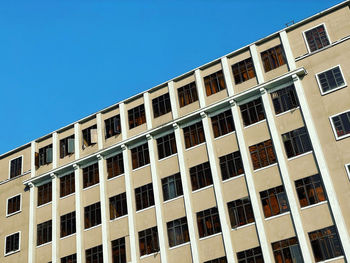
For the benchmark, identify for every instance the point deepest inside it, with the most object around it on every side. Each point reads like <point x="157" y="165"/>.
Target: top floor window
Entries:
<point x="252" y="112"/>
<point x="66" y="146"/>
<point x="214" y="83"/>
<point x="161" y="105"/>
<point x="89" y="136"/>
<point x="136" y="116"/>
<point x="316" y="38"/>
<point x="243" y="70"/>
<point x="112" y="126"/>
<point x="16" y="167"/>
<point x="45" y="155"/>
<point x="273" y="58"/>
<point x="284" y="99"/>
<point x="330" y="79"/>
<point x="194" y="134"/>
<point x="187" y="94"/>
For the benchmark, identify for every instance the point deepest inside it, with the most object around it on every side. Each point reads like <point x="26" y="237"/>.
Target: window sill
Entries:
<point x="330" y="91"/>
<point x="276" y="216"/>
<point x="91" y="186"/>
<point x="202" y="189"/>
<point x="11" y="253"/>
<point x="66" y="196"/>
<point x="173" y="199"/>
<point x="62" y="238"/>
<point x="288" y="111"/>
<point x="233" y="178"/>
<point x="139" y="168"/>
<point x="93" y="227"/>
<point x="168" y="157"/>
<point x="213" y="235"/>
<point x="46" y="204"/>
<point x="331" y="259"/>
<point x="45" y="244"/>
<point x="118" y="218"/>
<point x="14" y="213"/>
<point x="181" y="245"/>
<point x="311" y="206"/>
<point x="115" y="177"/>
<point x="225" y="135"/>
<point x="144" y="209"/>
<point x="342" y="137"/>
<point x="244" y="226"/>
<point x="300" y="155"/>
<point x="195" y="146"/>
<point x="265" y="167"/>
<point x="148" y="255"/>
<point x="255" y="123"/>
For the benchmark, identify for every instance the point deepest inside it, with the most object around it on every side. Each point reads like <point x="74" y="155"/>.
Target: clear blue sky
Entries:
<point x="63" y="60"/>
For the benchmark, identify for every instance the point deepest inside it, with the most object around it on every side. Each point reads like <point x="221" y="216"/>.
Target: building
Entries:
<point x="244" y="159"/>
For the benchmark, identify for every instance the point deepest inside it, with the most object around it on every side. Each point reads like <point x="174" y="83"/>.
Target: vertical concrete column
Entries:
<point x="123" y="120"/>
<point x="172" y="95"/>
<point x="32" y="159"/>
<point x="223" y="213"/>
<point x="200" y="88"/>
<point x="148" y="110"/>
<point x="55" y="220"/>
<point x="54" y="150"/>
<point x="287" y="50"/>
<point x="32" y="225"/>
<point x="99" y="125"/>
<point x="227" y="75"/>
<point x="77" y="141"/>
<point x="256" y="62"/>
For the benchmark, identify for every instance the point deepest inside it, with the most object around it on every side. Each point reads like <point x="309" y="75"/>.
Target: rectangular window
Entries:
<point x="94" y="254"/>
<point x="214" y="83"/>
<point x="252" y="112"/>
<point x="172" y="187"/>
<point x="166" y="146"/>
<point x="325" y="243"/>
<point x="12" y="243"/>
<point x="222" y="123"/>
<point x="45" y="155"/>
<point x="67" y="146"/>
<point x="140" y="156"/>
<point x="115" y="166"/>
<point x="241" y="212"/>
<point x="13" y="205"/>
<point x="44" y="233"/>
<point x="144" y="196"/>
<point x="253" y="255"/>
<point x="208" y="222"/>
<point x="341" y="125"/>
<point x="118" y="250"/>
<point x="296" y="142"/>
<point x="331" y="79"/>
<point x="217" y="260"/>
<point x="274" y="201"/>
<point x="117" y="206"/>
<point x="286" y="251"/>
<point x="148" y="240"/>
<point x="201" y="176"/>
<point x="262" y="154"/>
<point x="187" y="94"/>
<point x="243" y="70"/>
<point x="112" y="126"/>
<point x="89" y="136"/>
<point x="69" y="259"/>
<point x="310" y="190"/>
<point x="161" y="105"/>
<point x="231" y="165"/>
<point x="67" y="184"/>
<point x="90" y="175"/>
<point x="194" y="134"/>
<point x="68" y="224"/>
<point x="284" y="99"/>
<point x="136" y="116"/>
<point x="178" y="232"/>
<point x="44" y="193"/>
<point x="92" y="215"/>
<point x="273" y="58"/>
<point x="316" y="38"/>
<point x="16" y="167"/>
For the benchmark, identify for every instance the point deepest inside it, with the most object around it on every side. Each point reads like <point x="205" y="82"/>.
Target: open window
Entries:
<point x="67" y="146"/>
<point x="44" y="156"/>
<point x="89" y="136"/>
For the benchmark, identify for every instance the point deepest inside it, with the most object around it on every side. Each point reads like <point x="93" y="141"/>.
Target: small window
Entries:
<point x="341" y="125"/>
<point x="208" y="222"/>
<point x="284" y="99"/>
<point x="67" y="146"/>
<point x="161" y="105"/>
<point x="310" y="190"/>
<point x="13" y="205"/>
<point x="44" y="233"/>
<point x="330" y="80"/>
<point x="69" y="259"/>
<point x="316" y="38"/>
<point x="187" y="94"/>
<point x="68" y="224"/>
<point x="44" y="193"/>
<point x="217" y="260"/>
<point x="12" y="243"/>
<point x="201" y="176"/>
<point x="194" y="134"/>
<point x="112" y="126"/>
<point x="136" y="116"/>
<point x="67" y="184"/>
<point x="118" y="250"/>
<point x="140" y="156"/>
<point x="89" y="136"/>
<point x="253" y="255"/>
<point x="90" y="175"/>
<point x="347" y="168"/>
<point x="274" y="201"/>
<point x="273" y="58"/>
<point x="286" y="251"/>
<point x="115" y="166"/>
<point x="243" y="70"/>
<point x="92" y="215"/>
<point x="166" y="146"/>
<point x="148" y="240"/>
<point x="262" y="154"/>
<point x="222" y="123"/>
<point x="144" y="196"/>
<point x="214" y="83"/>
<point x="252" y="112"/>
<point x="296" y="142"/>
<point x="94" y="255"/>
<point x="16" y="167"/>
<point x="172" y="187"/>
<point x="178" y="232"/>
<point x="117" y="206"/>
<point x="231" y="165"/>
<point x="241" y="212"/>
<point x="45" y="155"/>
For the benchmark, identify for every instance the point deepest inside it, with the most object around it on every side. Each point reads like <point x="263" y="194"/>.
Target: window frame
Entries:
<point x="177" y="182"/>
<point x="87" y="133"/>
<point x="95" y="179"/>
<point x="182" y="225"/>
<point x="69" y="257"/>
<point x="226" y="160"/>
<point x="200" y="173"/>
<point x="110" y="161"/>
<point x="295" y="141"/>
<point x="136" y="151"/>
<point x="111" y="124"/>
<point x="316" y="178"/>
<point x="259" y="119"/>
<point x="119" y="243"/>
<point x="277" y="197"/>
<point x="267" y="54"/>
<point x="188" y="89"/>
<point x="347" y="169"/>
<point x="335" y="89"/>
<point x="162" y="100"/>
<point x="245" y="203"/>
<point x="142" y="192"/>
<point x="42" y="157"/>
<point x="72" y="220"/>
<point x="63" y="143"/>
<point x="249" y="254"/>
<point x="19" y="243"/>
<point x="70" y="174"/>
<point x="333" y="127"/>
<point x="222" y="121"/>
<point x="202" y="219"/>
<point x="113" y="202"/>
<point x="155" y="243"/>
<point x="209" y="79"/>
<point x="99" y="249"/>
<point x="285" y="89"/>
<point x="20" y="205"/>
<point x="307" y="44"/>
<point x="48" y="228"/>
<point x="140" y="109"/>
<point x="217" y="260"/>
<point x="240" y="74"/>
<point x="283" y="245"/>
<point x="165" y="142"/>
<point x="19" y="156"/>
<point x="193" y="129"/>
<point x="97" y="216"/>
<point x="258" y="150"/>
<point x="50" y="196"/>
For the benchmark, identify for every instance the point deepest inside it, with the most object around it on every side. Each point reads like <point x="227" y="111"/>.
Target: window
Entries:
<point x="92" y="215"/>
<point x="148" y="240"/>
<point x="274" y="201"/>
<point x="161" y="105"/>
<point x="117" y="206"/>
<point x="222" y="123"/>
<point x="253" y="255"/>
<point x="347" y="168"/>
<point x="273" y="58"/>
<point x="284" y="99"/>
<point x="172" y="186"/>
<point x="200" y="176"/>
<point x="66" y="146"/>
<point x="187" y="94"/>
<point x="67" y="184"/>
<point x="112" y="126"/>
<point x="89" y="136"/>
<point x="241" y="212"/>
<point x="115" y="166"/>
<point x="166" y="146"/>
<point x="16" y="167"/>
<point x="45" y="155"/>
<point x="94" y="255"/>
<point x="90" y="175"/>
<point x="140" y="156"/>
<point x="325" y="243"/>
<point x="178" y="232"/>
<point x="69" y="259"/>
<point x="12" y="243"/>
<point x="316" y="38"/>
<point x="217" y="260"/>
<point x="331" y="79"/>
<point x="144" y="196"/>
<point x="252" y="112"/>
<point x="310" y="190"/>
<point x="243" y="70"/>
<point x="68" y="224"/>
<point x="231" y="165"/>
<point x="286" y="251"/>
<point x="341" y="125"/>
<point x="194" y="134"/>
<point x="208" y="222"/>
<point x="262" y="154"/>
<point x="44" y="193"/>
<point x="214" y="83"/>
<point x="136" y="116"/>
<point x="44" y="233"/>
<point x="118" y="250"/>
<point x="296" y="142"/>
<point x="13" y="205"/>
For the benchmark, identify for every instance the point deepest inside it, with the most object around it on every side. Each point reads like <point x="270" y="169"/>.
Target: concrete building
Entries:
<point x="244" y="159"/>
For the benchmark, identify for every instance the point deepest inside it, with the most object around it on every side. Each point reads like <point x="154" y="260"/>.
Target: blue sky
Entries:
<point x="63" y="60"/>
